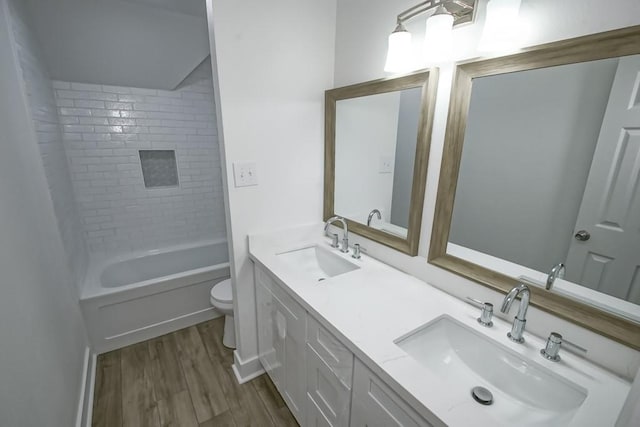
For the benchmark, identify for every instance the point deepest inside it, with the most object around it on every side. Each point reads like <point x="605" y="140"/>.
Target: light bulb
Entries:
<point x="438" y="38"/>
<point x="501" y="28"/>
<point x="399" y="53"/>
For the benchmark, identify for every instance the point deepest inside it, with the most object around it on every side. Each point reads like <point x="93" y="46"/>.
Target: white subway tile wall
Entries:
<point x="103" y="129"/>
<point x="42" y="106"/>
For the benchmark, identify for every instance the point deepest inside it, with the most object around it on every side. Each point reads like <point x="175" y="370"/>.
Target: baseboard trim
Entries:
<point x="87" y="385"/>
<point x="246" y="370"/>
<point x="83" y="387"/>
<point x="92" y="388"/>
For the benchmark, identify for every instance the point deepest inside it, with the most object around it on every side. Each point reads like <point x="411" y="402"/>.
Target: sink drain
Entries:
<point x="321" y="279"/>
<point x="482" y="395"/>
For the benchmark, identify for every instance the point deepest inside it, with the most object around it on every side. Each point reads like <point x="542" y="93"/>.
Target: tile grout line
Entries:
<point x="184" y="378"/>
<point x="264" y="405"/>
<point x="181" y="366"/>
<point x="206" y="349"/>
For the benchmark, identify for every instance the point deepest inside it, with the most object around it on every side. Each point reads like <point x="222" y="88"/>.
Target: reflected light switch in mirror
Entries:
<point x="385" y="164"/>
<point x="245" y="174"/>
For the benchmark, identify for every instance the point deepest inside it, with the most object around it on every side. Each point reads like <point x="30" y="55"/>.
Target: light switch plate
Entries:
<point x="245" y="174"/>
<point x="385" y="164"/>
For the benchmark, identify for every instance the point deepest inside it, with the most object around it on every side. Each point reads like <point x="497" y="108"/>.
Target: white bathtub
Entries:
<point x="134" y="297"/>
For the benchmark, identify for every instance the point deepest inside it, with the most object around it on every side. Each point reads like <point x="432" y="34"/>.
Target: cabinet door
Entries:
<point x="266" y="326"/>
<point x="374" y="404"/>
<point x="290" y="325"/>
<point x="281" y="341"/>
<point x="327" y="394"/>
<point x="315" y="417"/>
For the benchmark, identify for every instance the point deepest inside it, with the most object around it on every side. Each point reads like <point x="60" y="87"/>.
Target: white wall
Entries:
<point x="274" y="61"/>
<point x="361" y="40"/>
<point x="42" y="107"/>
<point x="366" y="131"/>
<point x="527" y="153"/>
<point x="43" y="340"/>
<point x="105" y="126"/>
<point x="119" y="43"/>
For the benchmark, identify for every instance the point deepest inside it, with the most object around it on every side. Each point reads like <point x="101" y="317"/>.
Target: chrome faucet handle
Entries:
<point x="356" y="251"/>
<point x="486" y="314"/>
<point x="334" y="239"/>
<point x="551" y="349"/>
<point x="344" y="248"/>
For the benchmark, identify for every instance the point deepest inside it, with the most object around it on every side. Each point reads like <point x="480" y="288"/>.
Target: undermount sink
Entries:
<point x="524" y="393"/>
<point x="319" y="263"/>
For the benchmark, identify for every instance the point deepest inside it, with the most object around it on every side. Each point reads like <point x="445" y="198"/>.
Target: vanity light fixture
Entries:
<point x="501" y="30"/>
<point x="438" y="41"/>
<point x="399" y="53"/>
<point x="438" y="36"/>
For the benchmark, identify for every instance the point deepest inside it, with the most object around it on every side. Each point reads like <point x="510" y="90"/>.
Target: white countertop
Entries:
<point x="371" y="307"/>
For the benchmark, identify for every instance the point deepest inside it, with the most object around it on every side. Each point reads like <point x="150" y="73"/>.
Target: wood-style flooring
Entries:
<point x="183" y="379"/>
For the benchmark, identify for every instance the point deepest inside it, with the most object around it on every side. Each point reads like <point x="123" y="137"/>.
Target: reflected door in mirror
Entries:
<point x="609" y="260"/>
<point x="547" y="153"/>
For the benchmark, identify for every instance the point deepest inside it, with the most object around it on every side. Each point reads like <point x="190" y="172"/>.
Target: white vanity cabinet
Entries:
<point x="329" y="378"/>
<point x="374" y="404"/>
<point x="321" y="381"/>
<point x="281" y="341"/>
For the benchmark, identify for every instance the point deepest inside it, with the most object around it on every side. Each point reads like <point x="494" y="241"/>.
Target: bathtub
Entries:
<point x="138" y="296"/>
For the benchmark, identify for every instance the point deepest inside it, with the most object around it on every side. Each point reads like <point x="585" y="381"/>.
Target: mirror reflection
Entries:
<point x="375" y="147"/>
<point x="550" y="173"/>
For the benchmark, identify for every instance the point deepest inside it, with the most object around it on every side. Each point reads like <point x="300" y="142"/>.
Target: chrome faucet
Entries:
<point x="557" y="272"/>
<point x="373" y="212"/>
<point x="344" y="247"/>
<point x="520" y="320"/>
<point x="551" y="349"/>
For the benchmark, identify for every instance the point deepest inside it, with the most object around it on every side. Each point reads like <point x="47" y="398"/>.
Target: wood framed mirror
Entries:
<point x="377" y="139"/>
<point x="521" y="167"/>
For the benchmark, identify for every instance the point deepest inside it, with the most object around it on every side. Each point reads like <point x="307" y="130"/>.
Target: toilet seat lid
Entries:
<point x="222" y="292"/>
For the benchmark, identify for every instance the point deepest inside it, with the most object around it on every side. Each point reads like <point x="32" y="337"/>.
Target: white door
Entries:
<point x="605" y="254"/>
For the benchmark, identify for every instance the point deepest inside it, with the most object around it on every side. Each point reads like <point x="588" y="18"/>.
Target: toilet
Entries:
<point x="222" y="301"/>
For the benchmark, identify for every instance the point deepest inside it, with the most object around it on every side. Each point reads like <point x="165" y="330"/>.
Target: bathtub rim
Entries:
<point x="92" y="286"/>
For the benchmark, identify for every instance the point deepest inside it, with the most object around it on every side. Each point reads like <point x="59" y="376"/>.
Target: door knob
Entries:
<point x="582" y="235"/>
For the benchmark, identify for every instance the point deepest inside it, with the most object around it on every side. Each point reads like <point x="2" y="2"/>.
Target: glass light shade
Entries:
<point x="438" y="38"/>
<point x="501" y="27"/>
<point x="399" y="53"/>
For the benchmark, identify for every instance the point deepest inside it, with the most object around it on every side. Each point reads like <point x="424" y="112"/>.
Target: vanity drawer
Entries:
<point x="331" y="351"/>
<point x="375" y="404"/>
<point x="328" y="399"/>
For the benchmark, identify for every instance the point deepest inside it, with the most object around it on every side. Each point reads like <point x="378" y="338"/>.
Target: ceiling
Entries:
<point x="137" y="43"/>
